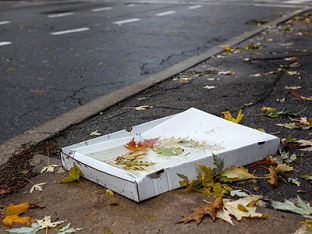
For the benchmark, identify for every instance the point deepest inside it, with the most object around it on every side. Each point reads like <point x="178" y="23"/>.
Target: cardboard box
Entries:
<point x="197" y="133"/>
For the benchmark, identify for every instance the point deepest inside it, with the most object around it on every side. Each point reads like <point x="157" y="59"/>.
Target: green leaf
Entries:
<point x="307" y="176"/>
<point x="302" y="208"/>
<point x="26" y="230"/>
<point x="66" y="229"/>
<point x="219" y="163"/>
<point x="280" y="114"/>
<point x="73" y="174"/>
<point x="172" y="151"/>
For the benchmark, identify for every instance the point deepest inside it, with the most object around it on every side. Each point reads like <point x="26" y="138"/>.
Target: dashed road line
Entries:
<point x="194" y="7"/>
<point x="127" y="21"/>
<point x="101" y="9"/>
<point x="60" y="15"/>
<point x="70" y="31"/>
<point x="4" y="22"/>
<point x="166" y="13"/>
<point x="3" y="43"/>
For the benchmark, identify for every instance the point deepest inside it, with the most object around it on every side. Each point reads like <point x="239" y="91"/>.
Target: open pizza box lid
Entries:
<point x="197" y="134"/>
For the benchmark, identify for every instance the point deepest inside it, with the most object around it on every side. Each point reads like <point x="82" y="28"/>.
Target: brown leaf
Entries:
<point x="185" y="181"/>
<point x="273" y="177"/>
<point x="38" y="91"/>
<point x="199" y="212"/>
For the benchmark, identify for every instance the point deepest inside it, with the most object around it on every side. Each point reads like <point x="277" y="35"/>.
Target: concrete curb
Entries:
<point x="75" y="116"/>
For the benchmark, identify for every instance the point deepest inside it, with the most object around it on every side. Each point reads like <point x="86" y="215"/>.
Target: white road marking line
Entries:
<point x="4" y="22"/>
<point x="61" y="15"/>
<point x="70" y="31"/>
<point x="5" y="43"/>
<point x="166" y="13"/>
<point x="127" y="21"/>
<point x="195" y="7"/>
<point x="101" y="9"/>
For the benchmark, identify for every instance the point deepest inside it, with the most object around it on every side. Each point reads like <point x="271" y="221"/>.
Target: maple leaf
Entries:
<point x="73" y="174"/>
<point x="46" y="223"/>
<point x="12" y="214"/>
<point x="235" y="174"/>
<point x="132" y="145"/>
<point x="200" y="212"/>
<point x="305" y="143"/>
<point x="228" y="116"/>
<point x="273" y="177"/>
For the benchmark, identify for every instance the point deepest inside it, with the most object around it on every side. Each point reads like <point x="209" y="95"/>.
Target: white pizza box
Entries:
<point x="203" y="135"/>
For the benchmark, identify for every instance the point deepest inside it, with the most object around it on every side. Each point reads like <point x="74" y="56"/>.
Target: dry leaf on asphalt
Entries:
<point x="144" y="107"/>
<point x="273" y="177"/>
<point x="240" y="208"/>
<point x="200" y="212"/>
<point x="307" y="143"/>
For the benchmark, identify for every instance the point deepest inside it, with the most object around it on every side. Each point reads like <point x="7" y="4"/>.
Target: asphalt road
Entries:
<point x="57" y="56"/>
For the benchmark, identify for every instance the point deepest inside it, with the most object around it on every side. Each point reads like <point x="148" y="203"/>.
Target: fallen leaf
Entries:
<point x="38" y="187"/>
<point x="238" y="193"/>
<point x="109" y="192"/>
<point x="252" y="46"/>
<point x="144" y="107"/>
<point x="12" y="214"/>
<point x="131" y="155"/>
<point x="271" y="109"/>
<point x="225" y="73"/>
<point x="73" y="174"/>
<point x="293" y="87"/>
<point x="95" y="133"/>
<point x="240" y="208"/>
<point x="293" y="73"/>
<point x="38" y="91"/>
<point x="291" y="59"/>
<point x="219" y="163"/>
<point x="26" y="230"/>
<point x="228" y="116"/>
<point x="66" y="229"/>
<point x="88" y="216"/>
<point x="227" y="48"/>
<point x="284" y="167"/>
<point x="49" y="168"/>
<point x="172" y="151"/>
<point x="46" y="223"/>
<point x="301" y="208"/>
<point x="185" y="181"/>
<point x="256" y="75"/>
<point x="273" y="177"/>
<point x="200" y="212"/>
<point x="209" y="87"/>
<point x="307" y="176"/>
<point x="235" y="174"/>
<point x="305" y="143"/>
<point x="132" y="145"/>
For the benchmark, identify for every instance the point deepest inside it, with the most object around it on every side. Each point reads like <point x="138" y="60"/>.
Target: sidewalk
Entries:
<point x="268" y="72"/>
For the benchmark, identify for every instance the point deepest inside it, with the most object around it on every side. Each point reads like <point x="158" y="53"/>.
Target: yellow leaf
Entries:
<point x="271" y="109"/>
<point x="12" y="214"/>
<point x="228" y="116"/>
<point x="227" y="48"/>
<point x="109" y="192"/>
<point x="73" y="174"/>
